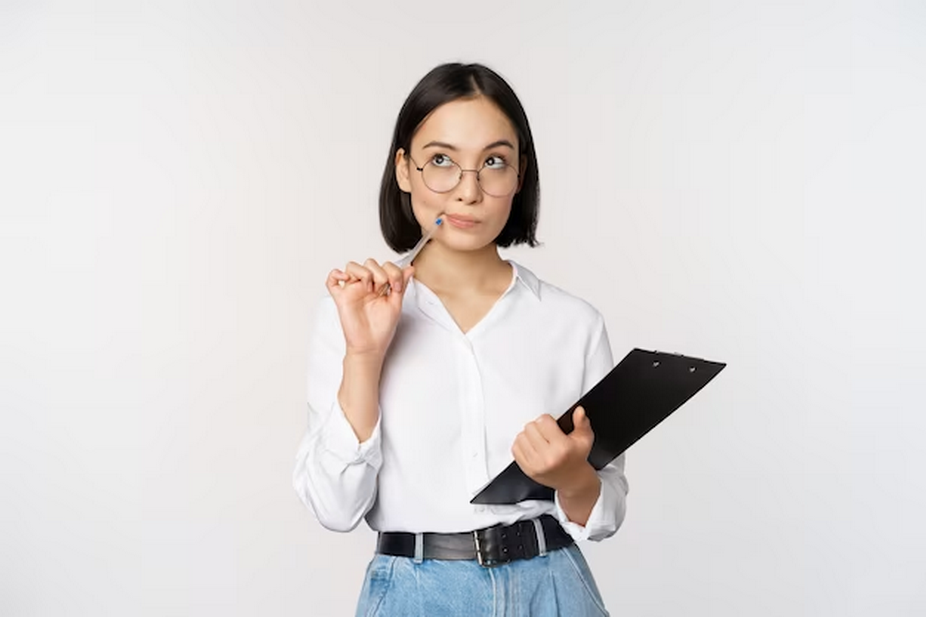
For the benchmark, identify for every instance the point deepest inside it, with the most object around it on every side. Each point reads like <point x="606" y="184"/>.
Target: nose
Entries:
<point x="468" y="190"/>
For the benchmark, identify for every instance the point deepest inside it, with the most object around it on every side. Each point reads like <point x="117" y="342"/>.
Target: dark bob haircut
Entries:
<point x="443" y="84"/>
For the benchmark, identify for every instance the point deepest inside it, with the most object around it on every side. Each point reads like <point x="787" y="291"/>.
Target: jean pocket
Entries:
<point x="375" y="585"/>
<point x="577" y="560"/>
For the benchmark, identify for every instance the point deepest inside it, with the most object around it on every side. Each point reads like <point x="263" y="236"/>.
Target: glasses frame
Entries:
<point x="460" y="178"/>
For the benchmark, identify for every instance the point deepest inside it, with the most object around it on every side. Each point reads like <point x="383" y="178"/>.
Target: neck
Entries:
<point x="444" y="269"/>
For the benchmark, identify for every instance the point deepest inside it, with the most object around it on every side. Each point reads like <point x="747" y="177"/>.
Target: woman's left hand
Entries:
<point x="551" y="457"/>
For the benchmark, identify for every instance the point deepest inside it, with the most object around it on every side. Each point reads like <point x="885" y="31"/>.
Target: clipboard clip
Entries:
<point x="691" y="369"/>
<point x="675" y="353"/>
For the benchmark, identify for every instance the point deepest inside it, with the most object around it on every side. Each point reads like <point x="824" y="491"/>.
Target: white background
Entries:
<point x="734" y="181"/>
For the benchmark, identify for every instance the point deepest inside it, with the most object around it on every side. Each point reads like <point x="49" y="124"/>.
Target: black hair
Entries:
<point x="443" y="84"/>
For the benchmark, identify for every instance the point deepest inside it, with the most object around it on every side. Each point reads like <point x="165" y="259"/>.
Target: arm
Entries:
<point x="341" y="454"/>
<point x="337" y="464"/>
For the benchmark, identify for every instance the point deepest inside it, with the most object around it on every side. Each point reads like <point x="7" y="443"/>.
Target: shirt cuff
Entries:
<point x="600" y="523"/>
<point x="341" y="441"/>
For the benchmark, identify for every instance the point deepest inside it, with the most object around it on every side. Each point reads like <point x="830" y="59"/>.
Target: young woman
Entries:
<point x="426" y="381"/>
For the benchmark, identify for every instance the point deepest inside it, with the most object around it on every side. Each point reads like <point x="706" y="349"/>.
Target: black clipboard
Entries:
<point x="635" y="396"/>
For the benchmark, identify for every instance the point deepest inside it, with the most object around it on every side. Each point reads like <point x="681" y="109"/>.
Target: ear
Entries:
<point x="522" y="168"/>
<point x="401" y="171"/>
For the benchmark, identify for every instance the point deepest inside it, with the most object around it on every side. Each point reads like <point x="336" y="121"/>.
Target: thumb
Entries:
<point x="407" y="275"/>
<point x="583" y="427"/>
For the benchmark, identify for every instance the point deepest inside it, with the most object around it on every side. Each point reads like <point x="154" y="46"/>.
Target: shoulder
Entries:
<point x="557" y="301"/>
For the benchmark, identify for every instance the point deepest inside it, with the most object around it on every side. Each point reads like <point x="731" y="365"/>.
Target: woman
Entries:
<point x="425" y="381"/>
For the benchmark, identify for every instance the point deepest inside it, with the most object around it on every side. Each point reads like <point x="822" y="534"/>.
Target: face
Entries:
<point x="474" y="134"/>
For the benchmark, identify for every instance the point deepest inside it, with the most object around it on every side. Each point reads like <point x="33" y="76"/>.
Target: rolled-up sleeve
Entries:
<point x="609" y="510"/>
<point x="335" y="474"/>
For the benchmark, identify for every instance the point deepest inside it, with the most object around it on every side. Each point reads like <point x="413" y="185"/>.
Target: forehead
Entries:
<point x="468" y="124"/>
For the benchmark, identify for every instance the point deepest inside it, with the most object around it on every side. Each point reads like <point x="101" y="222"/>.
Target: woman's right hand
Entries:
<point x="368" y="318"/>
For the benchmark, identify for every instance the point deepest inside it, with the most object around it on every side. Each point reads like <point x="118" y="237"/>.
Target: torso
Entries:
<point x="452" y="403"/>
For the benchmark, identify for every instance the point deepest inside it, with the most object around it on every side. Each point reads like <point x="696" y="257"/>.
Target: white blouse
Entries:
<point x="451" y="404"/>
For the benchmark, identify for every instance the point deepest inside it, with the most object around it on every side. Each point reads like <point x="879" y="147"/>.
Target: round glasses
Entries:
<point x="496" y="177"/>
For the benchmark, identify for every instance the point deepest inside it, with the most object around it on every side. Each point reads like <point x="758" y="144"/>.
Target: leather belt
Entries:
<point x="491" y="546"/>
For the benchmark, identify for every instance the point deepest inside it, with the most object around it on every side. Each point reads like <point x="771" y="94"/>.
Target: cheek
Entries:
<point x="422" y="196"/>
<point x="501" y="212"/>
<point x="426" y="204"/>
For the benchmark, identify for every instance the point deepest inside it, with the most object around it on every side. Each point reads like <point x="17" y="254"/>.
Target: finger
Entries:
<point x="582" y="434"/>
<point x="398" y="292"/>
<point x="394" y="276"/>
<point x="525" y="461"/>
<point x="359" y="273"/>
<point x="407" y="274"/>
<point x="335" y="278"/>
<point x="549" y="428"/>
<point x="581" y="422"/>
<point x="380" y="278"/>
<point x="526" y="451"/>
<point x="518" y="454"/>
<point x="535" y="437"/>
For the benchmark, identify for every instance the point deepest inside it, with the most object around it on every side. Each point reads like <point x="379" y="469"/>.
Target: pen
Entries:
<point x="405" y="261"/>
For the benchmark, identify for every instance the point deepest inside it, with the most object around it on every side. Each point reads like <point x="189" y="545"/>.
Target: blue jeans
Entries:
<point x="556" y="584"/>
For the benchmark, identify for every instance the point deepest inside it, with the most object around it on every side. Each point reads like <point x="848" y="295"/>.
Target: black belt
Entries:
<point x="491" y="546"/>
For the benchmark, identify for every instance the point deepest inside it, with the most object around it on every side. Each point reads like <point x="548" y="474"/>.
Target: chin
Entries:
<point x="473" y="243"/>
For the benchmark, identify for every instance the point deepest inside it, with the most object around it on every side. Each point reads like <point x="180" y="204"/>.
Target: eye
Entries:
<point x="495" y="162"/>
<point x="441" y="160"/>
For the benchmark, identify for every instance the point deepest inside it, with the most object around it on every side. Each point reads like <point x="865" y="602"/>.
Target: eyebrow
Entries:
<point x="494" y="144"/>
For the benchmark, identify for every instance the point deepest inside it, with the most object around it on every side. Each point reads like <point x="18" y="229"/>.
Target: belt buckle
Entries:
<point x="484" y="560"/>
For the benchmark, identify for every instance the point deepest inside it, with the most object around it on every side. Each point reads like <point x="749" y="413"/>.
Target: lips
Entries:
<point x="461" y="220"/>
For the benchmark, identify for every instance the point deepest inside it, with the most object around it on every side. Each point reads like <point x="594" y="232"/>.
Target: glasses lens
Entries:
<point x="498" y="181"/>
<point x="441" y="178"/>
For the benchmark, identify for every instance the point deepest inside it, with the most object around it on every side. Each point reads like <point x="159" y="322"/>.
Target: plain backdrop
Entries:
<point x="738" y="181"/>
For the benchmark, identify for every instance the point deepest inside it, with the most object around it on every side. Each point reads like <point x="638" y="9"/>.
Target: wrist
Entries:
<point x="364" y="359"/>
<point x="584" y="483"/>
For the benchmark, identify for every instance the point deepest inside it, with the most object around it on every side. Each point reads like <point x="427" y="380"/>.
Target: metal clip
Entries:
<point x="478" y="548"/>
